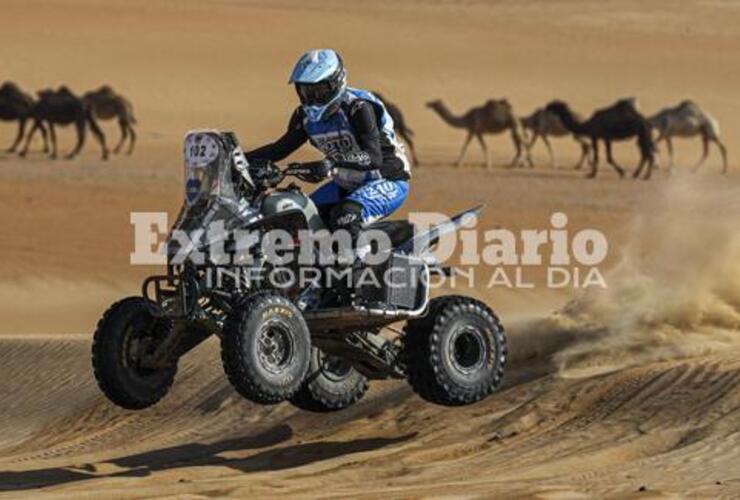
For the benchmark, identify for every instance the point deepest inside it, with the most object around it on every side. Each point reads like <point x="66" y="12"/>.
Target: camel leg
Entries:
<point x="648" y="161"/>
<point x="669" y="147"/>
<point x="525" y="148"/>
<point x="95" y="128"/>
<point x="469" y="138"/>
<point x="80" y="127"/>
<point x="518" y="145"/>
<point x="24" y="149"/>
<point x="53" y="140"/>
<point x="704" y="153"/>
<point x="485" y="149"/>
<point x="124" y="135"/>
<point x="535" y="136"/>
<point x="44" y="137"/>
<point x="402" y="133"/>
<point x="650" y="164"/>
<point x="595" y="159"/>
<point x="584" y="154"/>
<point x="723" y="151"/>
<point x="132" y="140"/>
<point x="19" y="136"/>
<point x="639" y="169"/>
<point x="549" y="151"/>
<point x="610" y="160"/>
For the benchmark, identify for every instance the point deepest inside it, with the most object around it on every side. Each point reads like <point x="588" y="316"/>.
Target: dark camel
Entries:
<point x="16" y="105"/>
<point x="62" y="107"/>
<point x="493" y="117"/>
<point x="544" y="124"/>
<point x="108" y="105"/>
<point x="400" y="126"/>
<point x="617" y="122"/>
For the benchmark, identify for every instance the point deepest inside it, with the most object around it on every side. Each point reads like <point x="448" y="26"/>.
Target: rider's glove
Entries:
<point x="314" y="171"/>
<point x="264" y="172"/>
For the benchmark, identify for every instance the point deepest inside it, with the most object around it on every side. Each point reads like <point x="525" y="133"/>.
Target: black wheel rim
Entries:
<point x="468" y="349"/>
<point x="334" y="368"/>
<point x="138" y="341"/>
<point x="275" y="347"/>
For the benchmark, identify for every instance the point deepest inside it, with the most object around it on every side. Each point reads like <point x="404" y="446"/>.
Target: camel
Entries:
<point x="544" y="124"/>
<point x="617" y="122"/>
<point x="493" y="117"/>
<point x="399" y="125"/>
<point x="17" y="105"/>
<point x="108" y="105"/>
<point x="62" y="107"/>
<point x="688" y="120"/>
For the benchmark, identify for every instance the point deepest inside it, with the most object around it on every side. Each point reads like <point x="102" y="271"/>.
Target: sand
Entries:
<point x="608" y="393"/>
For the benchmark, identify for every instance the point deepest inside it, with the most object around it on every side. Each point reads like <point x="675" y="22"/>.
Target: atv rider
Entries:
<point x="367" y="165"/>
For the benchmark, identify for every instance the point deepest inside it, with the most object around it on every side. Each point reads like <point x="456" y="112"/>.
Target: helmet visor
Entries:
<point x="316" y="94"/>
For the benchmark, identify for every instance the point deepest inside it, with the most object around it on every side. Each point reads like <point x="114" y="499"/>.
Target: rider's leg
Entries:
<point x="380" y="198"/>
<point x="372" y="201"/>
<point x="326" y="197"/>
<point x="377" y="199"/>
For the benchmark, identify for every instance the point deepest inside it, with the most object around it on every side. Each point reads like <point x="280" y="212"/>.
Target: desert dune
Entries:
<point x="632" y="391"/>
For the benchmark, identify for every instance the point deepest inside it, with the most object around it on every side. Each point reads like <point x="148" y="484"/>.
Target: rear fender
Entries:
<point x="421" y="244"/>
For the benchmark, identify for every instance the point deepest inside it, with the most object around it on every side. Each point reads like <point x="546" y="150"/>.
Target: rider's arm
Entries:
<point x="365" y="124"/>
<point x="291" y="140"/>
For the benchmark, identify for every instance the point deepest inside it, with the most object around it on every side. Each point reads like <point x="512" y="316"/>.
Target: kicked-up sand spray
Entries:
<point x="676" y="291"/>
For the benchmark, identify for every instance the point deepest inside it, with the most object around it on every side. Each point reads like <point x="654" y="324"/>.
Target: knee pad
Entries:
<point x="347" y="215"/>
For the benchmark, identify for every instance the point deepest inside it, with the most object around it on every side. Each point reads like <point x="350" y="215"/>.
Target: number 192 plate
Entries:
<point x="200" y="149"/>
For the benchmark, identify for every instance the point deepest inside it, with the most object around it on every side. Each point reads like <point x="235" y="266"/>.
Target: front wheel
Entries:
<point x="457" y="353"/>
<point x="127" y="331"/>
<point x="332" y="384"/>
<point x="265" y="348"/>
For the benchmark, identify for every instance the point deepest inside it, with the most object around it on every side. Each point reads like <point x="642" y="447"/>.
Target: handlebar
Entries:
<point x="270" y="175"/>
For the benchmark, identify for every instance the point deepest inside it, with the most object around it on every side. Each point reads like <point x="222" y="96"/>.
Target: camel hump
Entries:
<point x="63" y="90"/>
<point x="531" y="118"/>
<point x="556" y="105"/>
<point x="497" y="104"/>
<point x="105" y="91"/>
<point x="9" y="87"/>
<point x="500" y="102"/>
<point x="687" y="103"/>
<point x="628" y="102"/>
<point x="44" y="93"/>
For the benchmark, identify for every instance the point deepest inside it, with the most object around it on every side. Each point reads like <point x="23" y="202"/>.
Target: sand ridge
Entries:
<point x="635" y="388"/>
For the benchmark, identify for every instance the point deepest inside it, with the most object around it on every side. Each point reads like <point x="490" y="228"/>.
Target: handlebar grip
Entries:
<point x="300" y="170"/>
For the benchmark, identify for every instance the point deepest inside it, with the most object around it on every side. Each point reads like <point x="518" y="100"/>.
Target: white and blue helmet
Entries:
<point x="320" y="81"/>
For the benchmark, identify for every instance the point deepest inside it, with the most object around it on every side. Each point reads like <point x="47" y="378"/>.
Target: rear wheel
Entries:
<point x="331" y="384"/>
<point x="265" y="348"/>
<point x="457" y="353"/>
<point x="127" y="331"/>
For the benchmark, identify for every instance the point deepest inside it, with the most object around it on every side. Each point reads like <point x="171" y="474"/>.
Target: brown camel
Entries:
<point x="687" y="119"/>
<point x="108" y="105"/>
<point x="400" y="126"/>
<point x="617" y="122"/>
<point x="493" y="117"/>
<point x="16" y="105"/>
<point x="62" y="107"/>
<point x="544" y="124"/>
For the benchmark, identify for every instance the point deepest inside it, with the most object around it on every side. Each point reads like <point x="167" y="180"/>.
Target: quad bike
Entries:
<point x="315" y="346"/>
